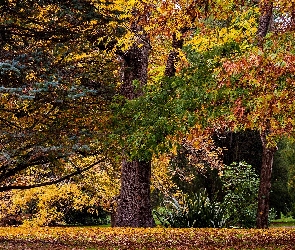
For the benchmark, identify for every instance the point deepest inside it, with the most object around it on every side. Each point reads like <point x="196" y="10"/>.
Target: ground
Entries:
<point x="155" y="238"/>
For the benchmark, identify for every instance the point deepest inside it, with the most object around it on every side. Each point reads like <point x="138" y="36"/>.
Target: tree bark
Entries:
<point x="265" y="183"/>
<point x="268" y="152"/>
<point x="134" y="206"/>
<point x="170" y="69"/>
<point x="264" y="20"/>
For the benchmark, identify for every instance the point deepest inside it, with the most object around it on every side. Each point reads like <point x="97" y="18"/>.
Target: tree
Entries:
<point x="146" y="119"/>
<point x="240" y="81"/>
<point x="280" y="198"/>
<point x="240" y="146"/>
<point x="55" y="86"/>
<point x="134" y="207"/>
<point x="255" y="94"/>
<point x="59" y="104"/>
<point x="147" y="19"/>
<point x="282" y="195"/>
<point x="267" y="149"/>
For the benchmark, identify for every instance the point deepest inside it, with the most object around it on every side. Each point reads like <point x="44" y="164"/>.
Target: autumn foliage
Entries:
<point x="72" y="89"/>
<point x="156" y="238"/>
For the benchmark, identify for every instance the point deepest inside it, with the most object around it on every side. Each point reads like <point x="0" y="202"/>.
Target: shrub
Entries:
<point x="191" y="211"/>
<point x="237" y="208"/>
<point x="55" y="204"/>
<point x="83" y="201"/>
<point x="240" y="186"/>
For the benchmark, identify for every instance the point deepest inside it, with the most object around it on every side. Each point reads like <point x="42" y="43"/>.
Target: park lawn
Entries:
<point x="139" y="238"/>
<point x="283" y="222"/>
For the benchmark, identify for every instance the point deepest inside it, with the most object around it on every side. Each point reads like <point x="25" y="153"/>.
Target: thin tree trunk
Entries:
<point x="170" y="69"/>
<point x="265" y="183"/>
<point x="265" y="20"/>
<point x="268" y="152"/>
<point x="292" y="23"/>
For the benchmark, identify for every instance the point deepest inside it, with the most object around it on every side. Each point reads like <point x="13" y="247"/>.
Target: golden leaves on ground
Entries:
<point x="139" y="238"/>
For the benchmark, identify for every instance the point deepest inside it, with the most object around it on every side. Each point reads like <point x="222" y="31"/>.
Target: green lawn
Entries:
<point x="283" y="222"/>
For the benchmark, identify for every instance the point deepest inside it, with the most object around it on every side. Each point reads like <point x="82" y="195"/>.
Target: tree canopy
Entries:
<point x="57" y="76"/>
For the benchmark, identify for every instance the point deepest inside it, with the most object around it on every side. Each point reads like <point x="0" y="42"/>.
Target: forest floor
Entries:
<point x="61" y="238"/>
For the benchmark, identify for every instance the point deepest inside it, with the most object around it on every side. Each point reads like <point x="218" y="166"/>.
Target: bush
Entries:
<point x="83" y="200"/>
<point x="191" y="211"/>
<point x="240" y="186"/>
<point x="54" y="205"/>
<point x="237" y="208"/>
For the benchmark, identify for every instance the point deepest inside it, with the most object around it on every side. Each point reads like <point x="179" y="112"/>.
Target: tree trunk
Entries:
<point x="134" y="208"/>
<point x="265" y="183"/>
<point x="265" y="20"/>
<point x="134" y="205"/>
<point x="170" y="69"/>
<point x="268" y="152"/>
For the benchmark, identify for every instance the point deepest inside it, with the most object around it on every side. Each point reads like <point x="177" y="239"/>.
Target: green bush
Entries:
<point x="236" y="208"/>
<point x="240" y="186"/>
<point x="191" y="211"/>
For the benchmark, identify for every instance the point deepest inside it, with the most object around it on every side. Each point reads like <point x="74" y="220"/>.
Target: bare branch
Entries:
<point x="79" y="171"/>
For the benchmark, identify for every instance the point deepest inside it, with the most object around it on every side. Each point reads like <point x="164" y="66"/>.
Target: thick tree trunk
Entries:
<point x="134" y="205"/>
<point x="134" y="208"/>
<point x="265" y="183"/>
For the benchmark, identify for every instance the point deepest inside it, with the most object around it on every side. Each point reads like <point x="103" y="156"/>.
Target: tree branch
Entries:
<point x="79" y="171"/>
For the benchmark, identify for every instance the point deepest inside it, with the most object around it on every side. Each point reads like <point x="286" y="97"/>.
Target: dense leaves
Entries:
<point x="59" y="71"/>
<point x="233" y="202"/>
<point x="173" y="106"/>
<point x="240" y="186"/>
<point x="80" y="200"/>
<point x="57" y="75"/>
<point x="195" y="211"/>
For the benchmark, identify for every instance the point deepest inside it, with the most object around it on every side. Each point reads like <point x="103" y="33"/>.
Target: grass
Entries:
<point x="63" y="238"/>
<point x="283" y="222"/>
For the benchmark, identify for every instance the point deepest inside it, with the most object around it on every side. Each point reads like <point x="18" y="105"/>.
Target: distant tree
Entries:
<point x="240" y="146"/>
